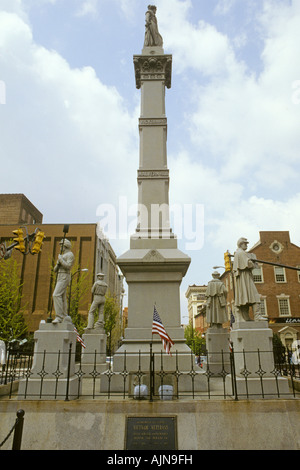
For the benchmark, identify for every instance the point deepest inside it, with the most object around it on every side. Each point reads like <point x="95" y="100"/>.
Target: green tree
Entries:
<point x="112" y="325"/>
<point x="12" y="323"/>
<point x="279" y="350"/>
<point x="194" y="339"/>
<point x="77" y="291"/>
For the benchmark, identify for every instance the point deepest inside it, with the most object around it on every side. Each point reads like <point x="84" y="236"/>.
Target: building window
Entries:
<point x="201" y="297"/>
<point x="263" y="307"/>
<point x="298" y="273"/>
<point x="257" y="274"/>
<point x="279" y="274"/>
<point x="284" y="307"/>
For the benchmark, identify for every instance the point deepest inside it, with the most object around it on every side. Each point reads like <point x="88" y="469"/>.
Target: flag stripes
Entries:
<point x="158" y="328"/>
<point x="79" y="339"/>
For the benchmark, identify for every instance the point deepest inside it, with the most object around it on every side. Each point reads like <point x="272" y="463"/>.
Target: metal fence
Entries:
<point x="152" y="376"/>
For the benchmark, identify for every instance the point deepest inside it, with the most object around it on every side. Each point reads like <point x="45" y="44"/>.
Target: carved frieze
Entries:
<point x="143" y="122"/>
<point x="153" y="174"/>
<point x="153" y="68"/>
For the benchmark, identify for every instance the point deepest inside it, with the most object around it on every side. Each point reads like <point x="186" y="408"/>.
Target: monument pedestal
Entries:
<point x="217" y="343"/>
<point x="53" y="369"/>
<point x="94" y="354"/>
<point x="154" y="276"/>
<point x="256" y="376"/>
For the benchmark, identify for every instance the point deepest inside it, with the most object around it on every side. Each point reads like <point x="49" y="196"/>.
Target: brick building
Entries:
<point x="278" y="286"/>
<point x="91" y="249"/>
<point x="17" y="209"/>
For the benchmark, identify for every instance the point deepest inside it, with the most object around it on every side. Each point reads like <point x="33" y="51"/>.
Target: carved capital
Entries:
<point x="153" y="68"/>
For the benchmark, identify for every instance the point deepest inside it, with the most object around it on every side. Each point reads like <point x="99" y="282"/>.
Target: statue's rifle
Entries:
<point x="255" y="260"/>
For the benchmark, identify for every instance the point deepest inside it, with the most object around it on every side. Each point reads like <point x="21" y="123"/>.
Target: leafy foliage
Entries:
<point x="77" y="291"/>
<point x="12" y="323"/>
<point x="194" y="339"/>
<point x="112" y="325"/>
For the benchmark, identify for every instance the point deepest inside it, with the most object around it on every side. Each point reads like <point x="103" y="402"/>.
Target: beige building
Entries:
<point x="196" y="299"/>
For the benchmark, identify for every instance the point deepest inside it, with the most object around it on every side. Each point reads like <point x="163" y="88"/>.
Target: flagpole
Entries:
<point x="151" y="365"/>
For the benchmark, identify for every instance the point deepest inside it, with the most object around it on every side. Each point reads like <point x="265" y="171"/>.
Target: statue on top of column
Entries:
<point x="152" y="36"/>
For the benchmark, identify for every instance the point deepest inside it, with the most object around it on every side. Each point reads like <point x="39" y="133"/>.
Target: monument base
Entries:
<point x="253" y="347"/>
<point x="217" y="341"/>
<point x="132" y="364"/>
<point x="255" y="372"/>
<point x="93" y="356"/>
<point x="49" y="389"/>
<point x="114" y="382"/>
<point x="53" y="369"/>
<point x="259" y="388"/>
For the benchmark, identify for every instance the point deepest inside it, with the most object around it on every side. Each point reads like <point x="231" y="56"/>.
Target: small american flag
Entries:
<point x="158" y="327"/>
<point x="79" y="339"/>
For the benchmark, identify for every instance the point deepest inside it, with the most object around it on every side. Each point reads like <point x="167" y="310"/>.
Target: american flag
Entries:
<point x="80" y="340"/>
<point x="158" y="327"/>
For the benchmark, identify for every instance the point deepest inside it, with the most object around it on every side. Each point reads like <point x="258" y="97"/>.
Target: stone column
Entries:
<point x="153" y="266"/>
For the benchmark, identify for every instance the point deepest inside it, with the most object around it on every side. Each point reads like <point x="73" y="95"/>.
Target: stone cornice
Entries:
<point x="158" y="67"/>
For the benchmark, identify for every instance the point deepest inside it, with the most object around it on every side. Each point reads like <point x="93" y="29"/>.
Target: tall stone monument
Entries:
<point x="153" y="266"/>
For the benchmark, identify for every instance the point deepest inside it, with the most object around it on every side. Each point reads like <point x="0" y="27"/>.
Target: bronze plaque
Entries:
<point x="151" y="433"/>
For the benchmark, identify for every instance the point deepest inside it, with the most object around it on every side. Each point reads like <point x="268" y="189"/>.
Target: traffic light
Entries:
<point x="228" y="264"/>
<point x="20" y="239"/>
<point x="38" y="241"/>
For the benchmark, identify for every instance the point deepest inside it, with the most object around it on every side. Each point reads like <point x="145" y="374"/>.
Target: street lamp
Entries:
<point x="84" y="270"/>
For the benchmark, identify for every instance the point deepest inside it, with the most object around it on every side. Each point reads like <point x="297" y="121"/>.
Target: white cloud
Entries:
<point x="88" y="7"/>
<point x="62" y="125"/>
<point x="248" y="217"/>
<point x="246" y="123"/>
<point x="224" y="6"/>
<point x="199" y="47"/>
<point x="74" y="142"/>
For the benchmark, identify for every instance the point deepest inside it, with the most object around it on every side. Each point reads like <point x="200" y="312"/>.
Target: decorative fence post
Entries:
<point x="18" y="430"/>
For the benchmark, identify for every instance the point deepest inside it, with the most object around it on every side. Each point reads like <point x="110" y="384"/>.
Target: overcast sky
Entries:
<point x="69" y="115"/>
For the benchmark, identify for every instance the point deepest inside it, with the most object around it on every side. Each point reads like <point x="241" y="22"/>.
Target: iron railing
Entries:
<point x="152" y="376"/>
